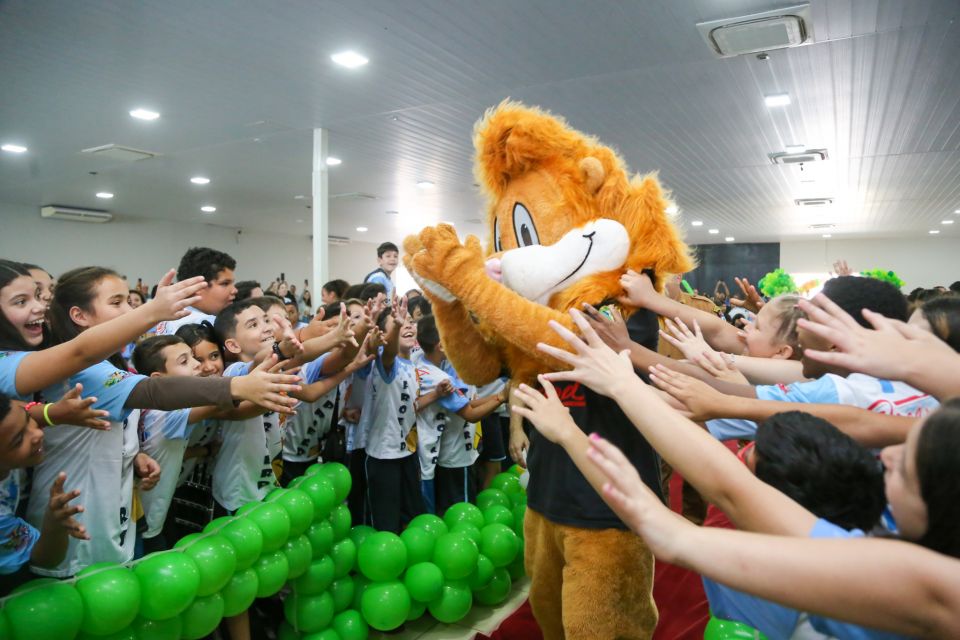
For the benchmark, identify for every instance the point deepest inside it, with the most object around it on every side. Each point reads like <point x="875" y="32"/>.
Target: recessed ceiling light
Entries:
<point x="696" y="223"/>
<point x="106" y="195"/>
<point x="425" y="184"/>
<point x="777" y="100"/>
<point x="795" y="148"/>
<point x="934" y="232"/>
<point x="672" y="209"/>
<point x="208" y="209"/>
<point x="826" y="235"/>
<point x="956" y="211"/>
<point x="14" y="148"/>
<point x="332" y="162"/>
<point x="299" y="219"/>
<point x="298" y="197"/>
<point x="946" y="222"/>
<point x="144" y="114"/>
<point x="713" y="232"/>
<point x="392" y="212"/>
<point x="362" y="229"/>
<point x="729" y="239"/>
<point x="349" y="59"/>
<point x="200" y="180"/>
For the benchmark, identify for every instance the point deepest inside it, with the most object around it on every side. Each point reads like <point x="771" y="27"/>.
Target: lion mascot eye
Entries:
<point x="523" y="227"/>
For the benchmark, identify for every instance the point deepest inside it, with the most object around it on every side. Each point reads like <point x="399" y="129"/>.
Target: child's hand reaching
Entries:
<point x="613" y="331"/>
<point x="702" y="401"/>
<point x="690" y="343"/>
<point x="284" y="336"/>
<point x="399" y="310"/>
<point x="594" y="363"/>
<point x="148" y="470"/>
<point x="73" y="410"/>
<point x="267" y="386"/>
<point x="721" y="367"/>
<point x="172" y="300"/>
<point x="545" y="411"/>
<point x="445" y="388"/>
<point x="344" y="334"/>
<point x="632" y="500"/>
<point x="60" y="512"/>
<point x="751" y="300"/>
<point x="638" y="289"/>
<point x="367" y="352"/>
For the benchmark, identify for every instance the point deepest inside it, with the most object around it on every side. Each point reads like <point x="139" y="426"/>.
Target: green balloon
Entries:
<point x="497" y="591"/>
<point x="44" y="610"/>
<point x="169" y="581"/>
<point x="360" y="532"/>
<point x="424" y="581"/>
<point x="517" y="499"/>
<point x="272" y="571"/>
<point x="308" y="614"/>
<point x="111" y="598"/>
<point x="483" y="574"/>
<point x="382" y="556"/>
<point x="463" y="512"/>
<point x="300" y="508"/>
<point x="326" y="634"/>
<point x="322" y="495"/>
<point x="519" y="512"/>
<point x="419" y="543"/>
<point x="417" y="609"/>
<point x="342" y="592"/>
<point x="286" y="632"/>
<point x="168" y="629"/>
<point x="340" y="519"/>
<point x="516" y="470"/>
<point x="453" y="604"/>
<point x="274" y="523"/>
<point x="5" y="632"/>
<point x="718" y="629"/>
<point x="456" y="555"/>
<point x="498" y="513"/>
<point x="296" y="482"/>
<point x="217" y="561"/>
<point x="202" y="617"/>
<point x="499" y="543"/>
<point x="320" y="535"/>
<point x="360" y="584"/>
<point x="433" y="524"/>
<point x="126" y="633"/>
<point x="344" y="554"/>
<point x="317" y="578"/>
<point x="507" y="482"/>
<point x="313" y="469"/>
<point x="350" y="625"/>
<point x="340" y="476"/>
<point x="240" y="592"/>
<point x="385" y="605"/>
<point x="215" y="525"/>
<point x="299" y="554"/>
<point x="468" y="530"/>
<point x="187" y="540"/>
<point x="246" y="538"/>
<point x="490" y="497"/>
<point x="275" y="494"/>
<point x="516" y="568"/>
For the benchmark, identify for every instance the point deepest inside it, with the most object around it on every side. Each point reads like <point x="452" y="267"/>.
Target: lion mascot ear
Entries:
<point x="593" y="174"/>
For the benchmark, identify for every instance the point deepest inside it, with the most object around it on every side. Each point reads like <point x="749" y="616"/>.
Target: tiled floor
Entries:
<point x="480" y="619"/>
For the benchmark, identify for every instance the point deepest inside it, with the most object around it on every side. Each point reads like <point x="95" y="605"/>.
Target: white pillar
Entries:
<point x="320" y="210"/>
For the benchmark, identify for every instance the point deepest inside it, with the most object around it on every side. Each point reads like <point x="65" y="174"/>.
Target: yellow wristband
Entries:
<point x="46" y="413"/>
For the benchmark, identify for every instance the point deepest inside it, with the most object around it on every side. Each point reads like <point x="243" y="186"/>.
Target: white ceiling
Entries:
<point x="241" y="85"/>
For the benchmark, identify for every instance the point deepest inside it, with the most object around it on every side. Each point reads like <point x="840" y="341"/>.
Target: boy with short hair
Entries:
<point x="388" y="257"/>
<point x="217" y="269"/>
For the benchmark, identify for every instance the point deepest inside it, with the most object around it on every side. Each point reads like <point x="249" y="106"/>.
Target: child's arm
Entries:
<point x="480" y="408"/>
<point x="392" y="338"/>
<point x="71" y="409"/>
<point x="705" y="463"/>
<point x="40" y="369"/>
<point x="721" y="335"/>
<point x="444" y="388"/>
<point x="889" y="584"/>
<point x="769" y="370"/>
<point x="58" y="525"/>
<point x="363" y="356"/>
<point x="341" y="336"/>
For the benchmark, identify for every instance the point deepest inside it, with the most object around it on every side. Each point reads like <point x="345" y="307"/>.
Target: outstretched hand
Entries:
<point x="638" y="289"/>
<point x="60" y="512"/>
<point x="751" y="300"/>
<point x="74" y="410"/>
<point x="700" y="399"/>
<point x="267" y="386"/>
<point x="544" y="410"/>
<point x="171" y="300"/>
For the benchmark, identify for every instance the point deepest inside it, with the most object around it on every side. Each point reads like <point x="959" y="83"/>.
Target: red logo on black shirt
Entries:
<point x="572" y="396"/>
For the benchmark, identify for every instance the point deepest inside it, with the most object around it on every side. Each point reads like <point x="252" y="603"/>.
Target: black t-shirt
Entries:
<point x="557" y="489"/>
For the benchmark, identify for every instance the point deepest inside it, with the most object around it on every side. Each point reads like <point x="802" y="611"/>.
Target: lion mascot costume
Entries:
<point x="565" y="222"/>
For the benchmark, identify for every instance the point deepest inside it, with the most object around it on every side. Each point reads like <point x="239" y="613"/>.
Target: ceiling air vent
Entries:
<point x="813" y="202"/>
<point x="353" y="195"/>
<point x="75" y="215"/>
<point x="765" y="31"/>
<point x="118" y="153"/>
<point x="825" y="225"/>
<point x="803" y="157"/>
<point x="338" y="240"/>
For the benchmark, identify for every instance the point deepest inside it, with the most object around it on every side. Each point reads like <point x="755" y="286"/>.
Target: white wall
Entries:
<point x="146" y="248"/>
<point x="923" y="262"/>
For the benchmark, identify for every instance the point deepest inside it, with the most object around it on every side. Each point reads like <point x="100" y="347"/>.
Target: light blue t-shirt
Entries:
<point x="379" y="277"/>
<point x="9" y="361"/>
<point x="17" y="537"/>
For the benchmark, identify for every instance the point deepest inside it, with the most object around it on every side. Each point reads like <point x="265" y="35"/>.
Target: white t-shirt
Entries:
<point x="388" y="413"/>
<point x="243" y="472"/>
<point x="435" y="420"/>
<point x="857" y="390"/>
<point x="301" y="439"/>
<point x="458" y="441"/>
<point x="169" y="327"/>
<point x="352" y="391"/>
<point x="164" y="438"/>
<point x="99" y="464"/>
<point x="202" y="434"/>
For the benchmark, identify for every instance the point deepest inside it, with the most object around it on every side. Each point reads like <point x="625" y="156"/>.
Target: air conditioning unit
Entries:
<point x="813" y="202"/>
<point x="803" y="157"/>
<point x="338" y="241"/>
<point x="765" y="31"/>
<point x="75" y="215"/>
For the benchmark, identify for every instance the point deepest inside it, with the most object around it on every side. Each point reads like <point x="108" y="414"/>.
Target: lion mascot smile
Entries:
<point x="565" y="222"/>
